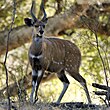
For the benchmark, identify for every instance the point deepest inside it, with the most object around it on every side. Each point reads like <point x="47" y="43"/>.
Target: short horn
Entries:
<point x="31" y="11"/>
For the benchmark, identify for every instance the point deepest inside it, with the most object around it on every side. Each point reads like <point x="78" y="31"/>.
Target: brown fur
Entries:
<point x="58" y="54"/>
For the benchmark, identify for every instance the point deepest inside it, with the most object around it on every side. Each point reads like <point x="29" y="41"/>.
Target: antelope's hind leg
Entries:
<point x="61" y="75"/>
<point x="82" y="81"/>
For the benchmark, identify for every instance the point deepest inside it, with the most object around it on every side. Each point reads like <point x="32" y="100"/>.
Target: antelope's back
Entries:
<point x="61" y="54"/>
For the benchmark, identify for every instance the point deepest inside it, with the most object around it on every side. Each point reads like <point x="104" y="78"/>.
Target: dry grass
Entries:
<point x="52" y="106"/>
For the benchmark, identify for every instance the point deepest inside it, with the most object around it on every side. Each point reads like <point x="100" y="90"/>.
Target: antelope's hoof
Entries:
<point x="90" y="102"/>
<point x="33" y="101"/>
<point x="57" y="103"/>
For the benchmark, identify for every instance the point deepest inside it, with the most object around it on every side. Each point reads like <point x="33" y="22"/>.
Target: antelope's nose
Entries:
<point x="41" y="30"/>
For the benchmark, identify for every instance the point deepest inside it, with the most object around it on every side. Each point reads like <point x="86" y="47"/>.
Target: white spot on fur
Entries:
<point x="70" y="44"/>
<point x="61" y="63"/>
<point x="55" y="62"/>
<point x="67" y="65"/>
<point x="65" y="68"/>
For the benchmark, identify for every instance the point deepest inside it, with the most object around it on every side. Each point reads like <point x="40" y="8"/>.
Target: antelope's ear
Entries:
<point x="28" y="21"/>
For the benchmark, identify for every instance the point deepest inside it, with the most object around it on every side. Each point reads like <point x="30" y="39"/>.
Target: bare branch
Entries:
<point x="6" y="54"/>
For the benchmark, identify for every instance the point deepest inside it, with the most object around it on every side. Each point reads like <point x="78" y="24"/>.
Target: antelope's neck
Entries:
<point x="36" y="46"/>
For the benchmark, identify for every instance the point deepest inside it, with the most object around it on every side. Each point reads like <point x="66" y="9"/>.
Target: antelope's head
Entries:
<point x="38" y="25"/>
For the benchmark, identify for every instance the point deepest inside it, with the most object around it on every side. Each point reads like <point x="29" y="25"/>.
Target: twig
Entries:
<point x="103" y="64"/>
<point x="104" y="101"/>
<point x="97" y="46"/>
<point x="100" y="93"/>
<point x="107" y="60"/>
<point x="6" y="54"/>
<point x="104" y="68"/>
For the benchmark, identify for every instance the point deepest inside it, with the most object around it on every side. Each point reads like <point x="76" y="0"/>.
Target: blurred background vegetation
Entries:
<point x="89" y="17"/>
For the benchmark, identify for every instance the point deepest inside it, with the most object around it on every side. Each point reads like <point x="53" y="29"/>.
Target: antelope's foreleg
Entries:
<point x="40" y="75"/>
<point x="34" y="84"/>
<point x="36" y="79"/>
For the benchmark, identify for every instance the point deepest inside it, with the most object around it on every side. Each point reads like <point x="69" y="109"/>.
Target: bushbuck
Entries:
<point x="53" y="55"/>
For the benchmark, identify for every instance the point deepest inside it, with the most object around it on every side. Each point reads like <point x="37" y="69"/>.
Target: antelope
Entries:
<point x="52" y="55"/>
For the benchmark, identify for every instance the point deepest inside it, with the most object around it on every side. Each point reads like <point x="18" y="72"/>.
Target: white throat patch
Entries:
<point x="33" y="56"/>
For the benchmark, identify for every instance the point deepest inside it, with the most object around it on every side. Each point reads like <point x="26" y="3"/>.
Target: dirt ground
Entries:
<point x="52" y="106"/>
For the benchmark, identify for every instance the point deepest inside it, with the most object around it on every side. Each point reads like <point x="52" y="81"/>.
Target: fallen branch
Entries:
<point x="100" y="92"/>
<point x="100" y="86"/>
<point x="105" y="93"/>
